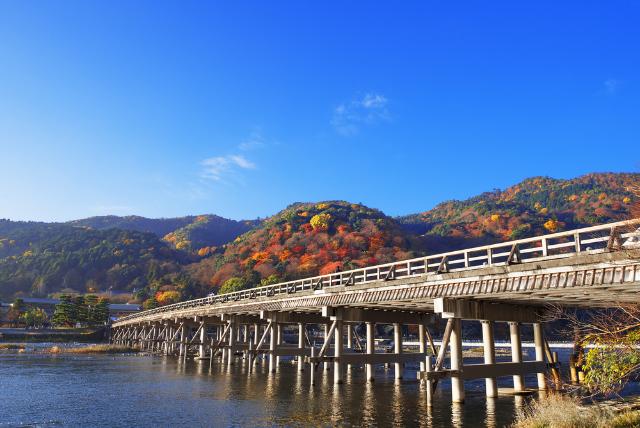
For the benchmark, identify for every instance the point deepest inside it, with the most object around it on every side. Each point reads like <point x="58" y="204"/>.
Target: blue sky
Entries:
<point x="239" y="108"/>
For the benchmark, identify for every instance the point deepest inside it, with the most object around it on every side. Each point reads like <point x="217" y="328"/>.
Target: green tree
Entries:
<point x="271" y="279"/>
<point x="101" y="312"/>
<point x="150" y="303"/>
<point x="81" y="310"/>
<point x="233" y="284"/>
<point x="34" y="317"/>
<point x="65" y="312"/>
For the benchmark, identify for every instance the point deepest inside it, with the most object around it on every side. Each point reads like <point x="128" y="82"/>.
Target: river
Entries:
<point x="39" y="389"/>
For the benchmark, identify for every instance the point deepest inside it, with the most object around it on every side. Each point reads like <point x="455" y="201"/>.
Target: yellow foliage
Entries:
<point x="304" y="214"/>
<point x="201" y="218"/>
<point x="320" y="221"/>
<point x="322" y="206"/>
<point x="602" y="196"/>
<point x="572" y="198"/>
<point x="626" y="200"/>
<point x="537" y="205"/>
<point x="28" y="253"/>
<point x="495" y="217"/>
<point x="182" y="245"/>
<point x="204" y="251"/>
<point x="551" y="225"/>
<point x="170" y="237"/>
<point x="544" y="210"/>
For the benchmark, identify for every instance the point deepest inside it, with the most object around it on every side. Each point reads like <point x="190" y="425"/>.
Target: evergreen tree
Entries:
<point x="65" y="312"/>
<point x="100" y="313"/>
<point x="81" y="310"/>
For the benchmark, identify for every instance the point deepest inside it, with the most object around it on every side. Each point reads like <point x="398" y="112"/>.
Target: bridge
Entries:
<point x="513" y="282"/>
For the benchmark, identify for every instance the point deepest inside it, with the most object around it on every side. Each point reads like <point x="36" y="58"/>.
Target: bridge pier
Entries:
<point x="337" y="352"/>
<point x="272" y="347"/>
<point x="489" y="350"/>
<point x="538" y="340"/>
<point x="516" y="354"/>
<point x="455" y="350"/>
<point x="371" y="349"/>
<point x="301" y="345"/>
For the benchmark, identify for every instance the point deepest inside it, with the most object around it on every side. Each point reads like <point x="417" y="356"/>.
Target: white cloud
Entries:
<point x="349" y="117"/>
<point x="255" y="141"/>
<point x="611" y="86"/>
<point x="219" y="168"/>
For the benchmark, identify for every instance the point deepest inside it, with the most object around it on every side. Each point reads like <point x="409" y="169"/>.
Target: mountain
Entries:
<point x="190" y="233"/>
<point x="43" y="258"/>
<point x="307" y="239"/>
<point x="165" y="260"/>
<point x="535" y="206"/>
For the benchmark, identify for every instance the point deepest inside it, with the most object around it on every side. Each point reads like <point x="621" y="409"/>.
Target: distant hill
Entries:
<point x="190" y="233"/>
<point x="41" y="258"/>
<point x="535" y="206"/>
<point x="166" y="260"/>
<point x="307" y="239"/>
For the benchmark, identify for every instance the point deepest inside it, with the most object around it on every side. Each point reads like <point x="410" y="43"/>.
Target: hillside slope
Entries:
<point x="189" y="233"/>
<point x="535" y="206"/>
<point x="307" y="239"/>
<point x="40" y="258"/>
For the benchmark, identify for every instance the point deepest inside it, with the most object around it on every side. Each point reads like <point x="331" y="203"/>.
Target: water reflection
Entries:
<point x="167" y="391"/>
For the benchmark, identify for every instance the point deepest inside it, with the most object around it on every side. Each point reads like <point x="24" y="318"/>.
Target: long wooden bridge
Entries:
<point x="512" y="282"/>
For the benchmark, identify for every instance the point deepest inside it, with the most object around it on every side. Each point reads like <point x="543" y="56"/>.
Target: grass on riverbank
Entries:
<point x="96" y="349"/>
<point x="10" y="347"/>
<point x="558" y="411"/>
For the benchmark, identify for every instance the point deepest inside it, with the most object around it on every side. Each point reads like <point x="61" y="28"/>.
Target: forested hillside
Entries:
<point x="535" y="206"/>
<point x="39" y="259"/>
<point x="165" y="260"/>
<point x="307" y="239"/>
<point x="197" y="234"/>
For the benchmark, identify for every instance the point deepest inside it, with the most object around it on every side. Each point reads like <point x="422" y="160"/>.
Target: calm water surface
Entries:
<point x="99" y="390"/>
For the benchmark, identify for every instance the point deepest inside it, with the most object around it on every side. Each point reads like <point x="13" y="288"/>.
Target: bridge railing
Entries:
<point x="591" y="240"/>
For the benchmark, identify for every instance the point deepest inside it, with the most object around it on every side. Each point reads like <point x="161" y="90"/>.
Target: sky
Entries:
<point x="239" y="109"/>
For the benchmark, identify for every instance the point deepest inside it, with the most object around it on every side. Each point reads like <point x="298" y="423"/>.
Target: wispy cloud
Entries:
<point x="219" y="168"/>
<point x="255" y="141"/>
<point x="348" y="118"/>
<point x="611" y="86"/>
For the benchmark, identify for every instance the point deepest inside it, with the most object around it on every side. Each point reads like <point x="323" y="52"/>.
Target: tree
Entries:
<point x="100" y="313"/>
<point x="65" y="312"/>
<point x="233" y="284"/>
<point x="271" y="279"/>
<point x="150" y="303"/>
<point x="16" y="310"/>
<point x="34" y="317"/>
<point x="81" y="310"/>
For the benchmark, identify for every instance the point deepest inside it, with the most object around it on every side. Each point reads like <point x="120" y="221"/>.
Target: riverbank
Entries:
<point x="82" y="335"/>
<point x="561" y="411"/>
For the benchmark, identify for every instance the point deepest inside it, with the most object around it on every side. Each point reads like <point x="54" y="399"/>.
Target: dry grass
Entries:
<point x="558" y="411"/>
<point x="10" y="346"/>
<point x="103" y="349"/>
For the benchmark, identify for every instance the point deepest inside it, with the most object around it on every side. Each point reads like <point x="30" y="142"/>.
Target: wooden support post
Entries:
<point x="232" y="336"/>
<point x="429" y="383"/>
<point x="183" y="340"/>
<point x="278" y="340"/>
<point x="538" y="340"/>
<point x="272" y="347"/>
<point x="203" y="338"/>
<point x="455" y="349"/>
<point x="301" y="328"/>
<point x="311" y="368"/>
<point x="516" y="354"/>
<point x="326" y="339"/>
<point x="337" y="352"/>
<point x="422" y="346"/>
<point x="491" y="386"/>
<point x="370" y="349"/>
<point x="256" y="333"/>
<point x="349" y="337"/>
<point x="397" y="344"/>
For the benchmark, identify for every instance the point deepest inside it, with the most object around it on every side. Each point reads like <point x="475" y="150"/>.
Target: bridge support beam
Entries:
<point x="202" y="351"/>
<point x="516" y="354"/>
<point x="455" y="349"/>
<point x="337" y="352"/>
<point x="538" y="340"/>
<point x="272" y="348"/>
<point x="301" y="338"/>
<point x="232" y="337"/>
<point x="397" y="344"/>
<point x="491" y="386"/>
<point x="371" y="347"/>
